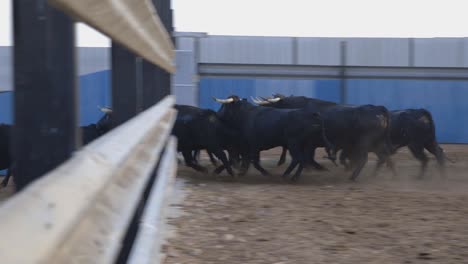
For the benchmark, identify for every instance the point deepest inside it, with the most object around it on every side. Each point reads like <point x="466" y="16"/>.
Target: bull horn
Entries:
<point x="258" y="101"/>
<point x="106" y="110"/>
<point x="223" y="101"/>
<point x="274" y="100"/>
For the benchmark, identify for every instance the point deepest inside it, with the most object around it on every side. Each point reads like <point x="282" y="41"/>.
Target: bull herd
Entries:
<point x="300" y="125"/>
<point x="296" y="123"/>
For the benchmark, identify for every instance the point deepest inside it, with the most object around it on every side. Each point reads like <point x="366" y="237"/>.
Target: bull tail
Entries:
<point x="431" y="122"/>
<point x="442" y="156"/>
<point x="388" y="147"/>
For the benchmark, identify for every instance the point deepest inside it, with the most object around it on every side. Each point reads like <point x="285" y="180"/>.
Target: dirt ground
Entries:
<point x="325" y="218"/>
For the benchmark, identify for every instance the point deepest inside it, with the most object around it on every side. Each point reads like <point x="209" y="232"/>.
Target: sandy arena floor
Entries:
<point x="325" y="218"/>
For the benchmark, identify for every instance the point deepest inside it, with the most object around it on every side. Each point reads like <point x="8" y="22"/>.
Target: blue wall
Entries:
<point x="6" y="108"/>
<point x="94" y="91"/>
<point x="447" y="100"/>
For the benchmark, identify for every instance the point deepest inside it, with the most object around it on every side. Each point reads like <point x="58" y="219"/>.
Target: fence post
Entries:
<point x="45" y="101"/>
<point x="163" y="77"/>
<point x="150" y="84"/>
<point x="343" y="80"/>
<point x="126" y="84"/>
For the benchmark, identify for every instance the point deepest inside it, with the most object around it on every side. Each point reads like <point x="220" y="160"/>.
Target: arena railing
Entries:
<point x="105" y="203"/>
<point x="81" y="211"/>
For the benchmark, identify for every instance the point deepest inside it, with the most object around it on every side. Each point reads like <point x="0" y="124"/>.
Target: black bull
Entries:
<point x="89" y="133"/>
<point x="414" y="128"/>
<point x="197" y="129"/>
<point x="356" y="130"/>
<point x="264" y="128"/>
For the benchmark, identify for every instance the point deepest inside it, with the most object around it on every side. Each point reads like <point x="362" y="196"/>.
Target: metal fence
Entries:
<point x="89" y="204"/>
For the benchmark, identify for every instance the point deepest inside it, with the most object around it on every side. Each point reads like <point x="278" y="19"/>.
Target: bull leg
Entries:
<point x="282" y="159"/>
<point x="189" y="161"/>
<point x="391" y="165"/>
<point x="361" y="160"/>
<point x="234" y="159"/>
<point x="222" y="156"/>
<point x="245" y="164"/>
<point x="310" y="154"/>
<point x="196" y="155"/>
<point x="212" y="159"/>
<point x="298" y="157"/>
<point x="291" y="166"/>
<point x="7" y="178"/>
<point x="343" y="156"/>
<point x="384" y="157"/>
<point x="256" y="163"/>
<point x="438" y="152"/>
<point x="418" y="152"/>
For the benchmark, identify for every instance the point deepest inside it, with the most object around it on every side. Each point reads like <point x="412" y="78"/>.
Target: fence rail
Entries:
<point x="134" y="24"/>
<point x="80" y="211"/>
<point x="90" y="205"/>
<point x="330" y="72"/>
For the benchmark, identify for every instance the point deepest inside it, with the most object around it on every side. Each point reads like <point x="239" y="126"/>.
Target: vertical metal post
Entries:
<point x="45" y="97"/>
<point x="124" y="74"/>
<point x="411" y="52"/>
<point x="149" y="84"/>
<point x="167" y="20"/>
<point x="343" y="81"/>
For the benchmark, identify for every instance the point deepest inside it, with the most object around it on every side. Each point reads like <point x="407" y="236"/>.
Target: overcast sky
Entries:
<point x="314" y="18"/>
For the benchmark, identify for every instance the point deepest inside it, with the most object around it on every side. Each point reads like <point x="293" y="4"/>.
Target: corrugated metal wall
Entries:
<point x="420" y="52"/>
<point x="6" y="81"/>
